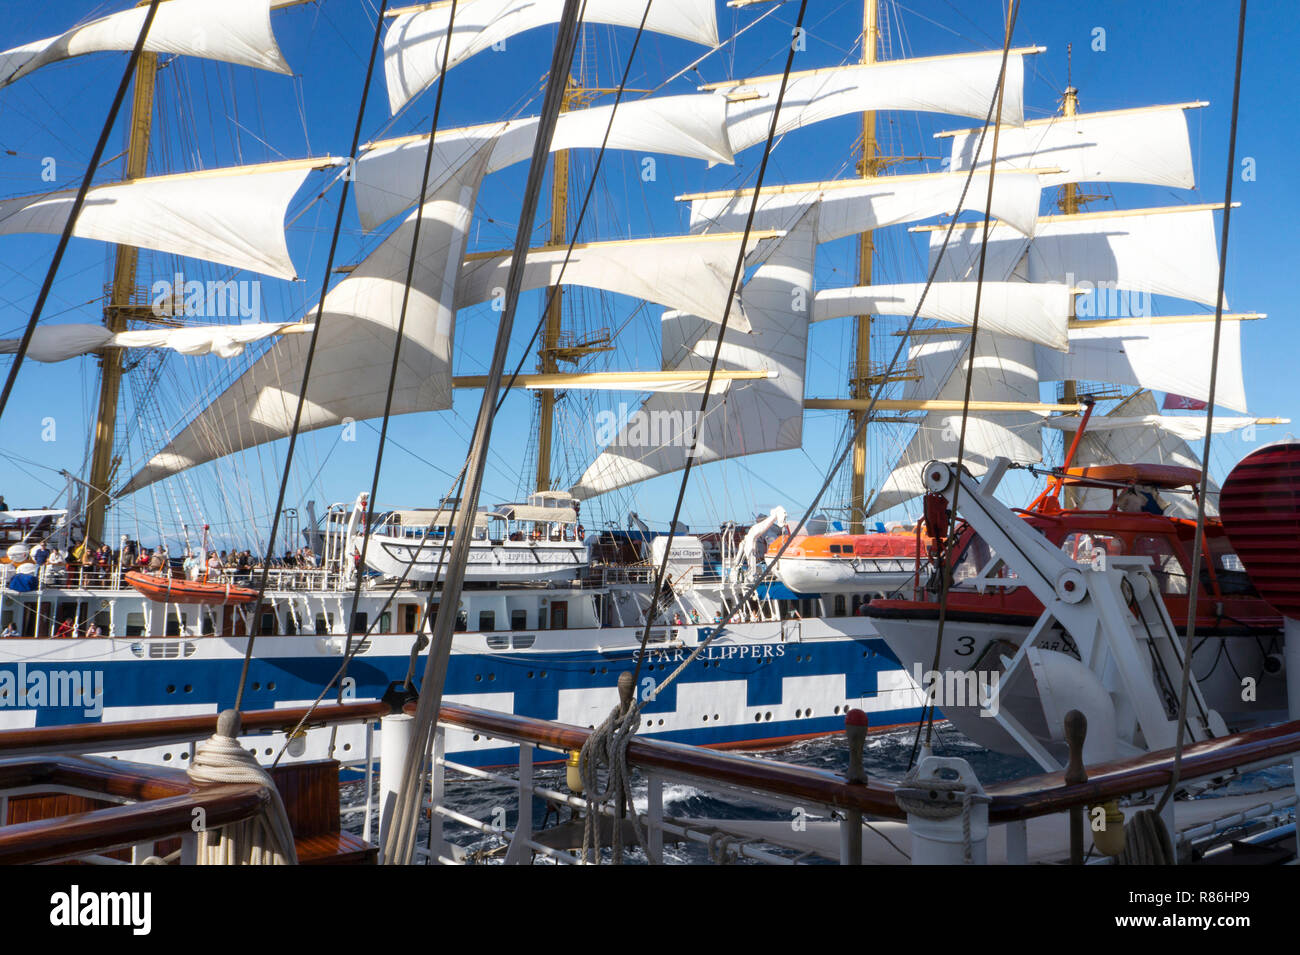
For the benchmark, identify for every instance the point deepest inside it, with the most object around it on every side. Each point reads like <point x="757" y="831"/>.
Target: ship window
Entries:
<point x="324" y="623"/>
<point x="487" y="620"/>
<point x="839" y="605"/>
<point x="386" y="622"/>
<point x="1229" y="571"/>
<point x="518" y="619"/>
<point x="1084" y="548"/>
<point x="974" y="557"/>
<point x="462" y="622"/>
<point x="1164" y="563"/>
<point x="135" y="625"/>
<point x="498" y="641"/>
<point x="523" y="641"/>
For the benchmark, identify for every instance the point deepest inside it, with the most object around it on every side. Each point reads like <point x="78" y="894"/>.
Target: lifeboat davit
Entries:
<point x="849" y="563"/>
<point x="181" y="591"/>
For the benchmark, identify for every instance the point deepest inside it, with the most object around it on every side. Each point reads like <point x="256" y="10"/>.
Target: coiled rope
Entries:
<point x="265" y="839"/>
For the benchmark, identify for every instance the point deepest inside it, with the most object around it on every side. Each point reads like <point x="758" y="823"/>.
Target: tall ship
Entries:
<point x="213" y="359"/>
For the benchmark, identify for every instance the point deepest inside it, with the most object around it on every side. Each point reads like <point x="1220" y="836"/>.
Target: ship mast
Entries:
<point x="547" y="358"/>
<point x="120" y="306"/>
<point x="555" y="346"/>
<point x="860" y="381"/>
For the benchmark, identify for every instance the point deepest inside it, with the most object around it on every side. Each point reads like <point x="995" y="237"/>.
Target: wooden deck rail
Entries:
<point x="1011" y="801"/>
<point x="1048" y="793"/>
<point x="135" y="734"/>
<point x="167" y="809"/>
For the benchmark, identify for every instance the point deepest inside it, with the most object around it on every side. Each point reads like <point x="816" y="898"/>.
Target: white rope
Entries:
<point x="938" y="799"/>
<point x="265" y="839"/>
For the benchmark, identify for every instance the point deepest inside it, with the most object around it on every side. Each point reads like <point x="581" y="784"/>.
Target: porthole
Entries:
<point x="798" y="713"/>
<point x="257" y="686"/>
<point x="661" y="722"/>
<point x="491" y="677"/>
<point x="270" y="686"/>
<point x="476" y="737"/>
<point x="706" y="717"/>
<point x="478" y="677"/>
<point x="268" y="751"/>
<point x="171" y="689"/>
<point x="807" y="712"/>
<point x="767" y="716"/>
<point x="347" y="747"/>
<point x="758" y="717"/>
<point x="167" y="757"/>
<point x="837" y="711"/>
<point x="188" y="688"/>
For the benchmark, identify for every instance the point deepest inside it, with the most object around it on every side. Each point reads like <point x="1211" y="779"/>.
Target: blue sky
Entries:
<point x="213" y="115"/>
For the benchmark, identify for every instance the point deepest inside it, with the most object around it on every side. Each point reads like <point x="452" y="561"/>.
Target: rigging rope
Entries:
<point x="397" y="353"/>
<point x="1194" y="587"/>
<point x="656" y="593"/>
<point x="77" y="203"/>
<point x="950" y="538"/>
<point x="256" y="628"/>
<point x="850" y="437"/>
<point x="399" y="845"/>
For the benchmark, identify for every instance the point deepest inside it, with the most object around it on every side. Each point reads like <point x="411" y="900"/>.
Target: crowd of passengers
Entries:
<point x="100" y="564"/>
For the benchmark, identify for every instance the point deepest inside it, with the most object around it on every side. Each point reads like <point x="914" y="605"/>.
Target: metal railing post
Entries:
<point x="515" y="855"/>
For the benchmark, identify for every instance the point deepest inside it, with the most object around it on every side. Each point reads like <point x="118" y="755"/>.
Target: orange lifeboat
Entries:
<point x="849" y="563"/>
<point x="181" y="591"/>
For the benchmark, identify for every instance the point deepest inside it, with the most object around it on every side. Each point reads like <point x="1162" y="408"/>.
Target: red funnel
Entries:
<point x="1260" y="509"/>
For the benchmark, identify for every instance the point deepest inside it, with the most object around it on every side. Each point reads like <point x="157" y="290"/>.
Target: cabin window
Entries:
<point x="268" y="622"/>
<point x="487" y="621"/>
<point x="498" y="641"/>
<point x="1086" y="548"/>
<point x="174" y="626"/>
<point x="360" y="621"/>
<point x="209" y="623"/>
<point x="135" y="625"/>
<point x="522" y="641"/>
<point x="1165" y="564"/>
<point x="975" y="556"/>
<point x="462" y="622"/>
<point x="839" y="605"/>
<point x="324" y="623"/>
<point x="519" y="620"/>
<point x="386" y="622"/>
<point x="1229" y="571"/>
<point x="836" y="549"/>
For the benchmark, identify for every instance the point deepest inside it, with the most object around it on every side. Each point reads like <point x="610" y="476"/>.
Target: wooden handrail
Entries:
<point x="168" y="797"/>
<point x="98" y="737"/>
<point x="1048" y="793"/>
<point x="783" y="779"/>
<point x="1020" y="799"/>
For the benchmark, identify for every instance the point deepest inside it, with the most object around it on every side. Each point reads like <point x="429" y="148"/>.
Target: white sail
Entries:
<point x="388" y="173"/>
<point x="233" y="216"/>
<point x="1186" y="427"/>
<point x="1003" y="371"/>
<point x="753" y="416"/>
<point x="413" y="45"/>
<point x="962" y="84"/>
<point x="1166" y="251"/>
<point x="1139" y="446"/>
<point x="233" y="31"/>
<point x="1171" y="357"/>
<point x="692" y="273"/>
<point x="354" y="352"/>
<point x="851" y="206"/>
<point x="1131" y="145"/>
<point x="1031" y="311"/>
<point x="53" y="343"/>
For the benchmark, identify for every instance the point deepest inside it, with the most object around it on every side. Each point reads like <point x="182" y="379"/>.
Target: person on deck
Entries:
<point x="9" y="631"/>
<point x="64" y="629"/>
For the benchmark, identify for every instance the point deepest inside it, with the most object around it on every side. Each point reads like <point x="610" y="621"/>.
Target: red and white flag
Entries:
<point x="1183" y="403"/>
